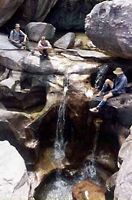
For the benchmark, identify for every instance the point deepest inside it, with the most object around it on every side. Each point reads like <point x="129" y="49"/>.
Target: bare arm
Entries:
<point x="48" y="45"/>
<point x="25" y="36"/>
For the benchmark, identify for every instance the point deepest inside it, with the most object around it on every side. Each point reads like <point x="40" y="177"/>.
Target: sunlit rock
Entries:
<point x="108" y="26"/>
<point x="66" y="41"/>
<point x="13" y="179"/>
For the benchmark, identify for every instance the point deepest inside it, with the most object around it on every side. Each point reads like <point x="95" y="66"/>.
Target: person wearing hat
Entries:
<point x="115" y="88"/>
<point x="17" y="37"/>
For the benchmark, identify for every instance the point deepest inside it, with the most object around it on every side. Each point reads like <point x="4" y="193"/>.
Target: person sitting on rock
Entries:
<point x="17" y="37"/>
<point x="43" y="47"/>
<point x="114" y="88"/>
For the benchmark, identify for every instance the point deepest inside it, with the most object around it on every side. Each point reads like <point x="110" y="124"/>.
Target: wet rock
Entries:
<point x="57" y="184"/>
<point x="87" y="190"/>
<point x="108" y="26"/>
<point x="66" y="41"/>
<point x="107" y="160"/>
<point x="14" y="179"/>
<point x="35" y="30"/>
<point x="7" y="9"/>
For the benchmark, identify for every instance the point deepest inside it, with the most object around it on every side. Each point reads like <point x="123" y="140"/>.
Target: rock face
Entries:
<point x="87" y="190"/>
<point x="33" y="10"/>
<point x="123" y="189"/>
<point x="13" y="179"/>
<point x="109" y="27"/>
<point x="7" y="9"/>
<point x="70" y="14"/>
<point x="66" y="41"/>
<point x="37" y="29"/>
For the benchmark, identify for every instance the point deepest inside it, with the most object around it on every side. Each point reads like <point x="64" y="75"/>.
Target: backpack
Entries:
<point x="20" y="35"/>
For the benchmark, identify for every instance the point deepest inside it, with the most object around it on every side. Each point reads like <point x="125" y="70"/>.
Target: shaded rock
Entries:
<point x="35" y="30"/>
<point x="107" y="160"/>
<point x="70" y="14"/>
<point x="23" y="90"/>
<point x="108" y="26"/>
<point x="14" y="128"/>
<point x="32" y="10"/>
<point x="66" y="41"/>
<point x="123" y="107"/>
<point x="7" y="9"/>
<point x="87" y="190"/>
<point x="43" y="8"/>
<point x="13" y="180"/>
<point x="111" y="182"/>
<point x="17" y="120"/>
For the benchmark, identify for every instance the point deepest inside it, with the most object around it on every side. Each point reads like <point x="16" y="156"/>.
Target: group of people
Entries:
<point x="19" y="39"/>
<point x="110" y="88"/>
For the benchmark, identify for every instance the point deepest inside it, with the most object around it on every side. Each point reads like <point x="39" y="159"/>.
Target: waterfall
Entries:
<point x="59" y="145"/>
<point x="89" y="168"/>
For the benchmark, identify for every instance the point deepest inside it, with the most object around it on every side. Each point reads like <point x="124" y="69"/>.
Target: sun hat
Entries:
<point x="17" y="26"/>
<point x="118" y="71"/>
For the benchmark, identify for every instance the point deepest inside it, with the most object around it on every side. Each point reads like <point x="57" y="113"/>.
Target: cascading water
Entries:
<point x="89" y="169"/>
<point x="61" y="189"/>
<point x="59" y="146"/>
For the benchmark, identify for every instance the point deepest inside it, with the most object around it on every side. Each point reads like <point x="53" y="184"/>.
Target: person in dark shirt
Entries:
<point x="115" y="88"/>
<point x="18" y="37"/>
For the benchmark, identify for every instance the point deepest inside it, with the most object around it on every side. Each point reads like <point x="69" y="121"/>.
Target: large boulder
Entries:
<point x="123" y="189"/>
<point x="13" y="179"/>
<point x="66" y="41"/>
<point x="33" y="10"/>
<point x="109" y="27"/>
<point x="37" y="29"/>
<point x="7" y="9"/>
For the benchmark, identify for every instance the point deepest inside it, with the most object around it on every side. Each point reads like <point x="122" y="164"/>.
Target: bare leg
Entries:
<point x="107" y="83"/>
